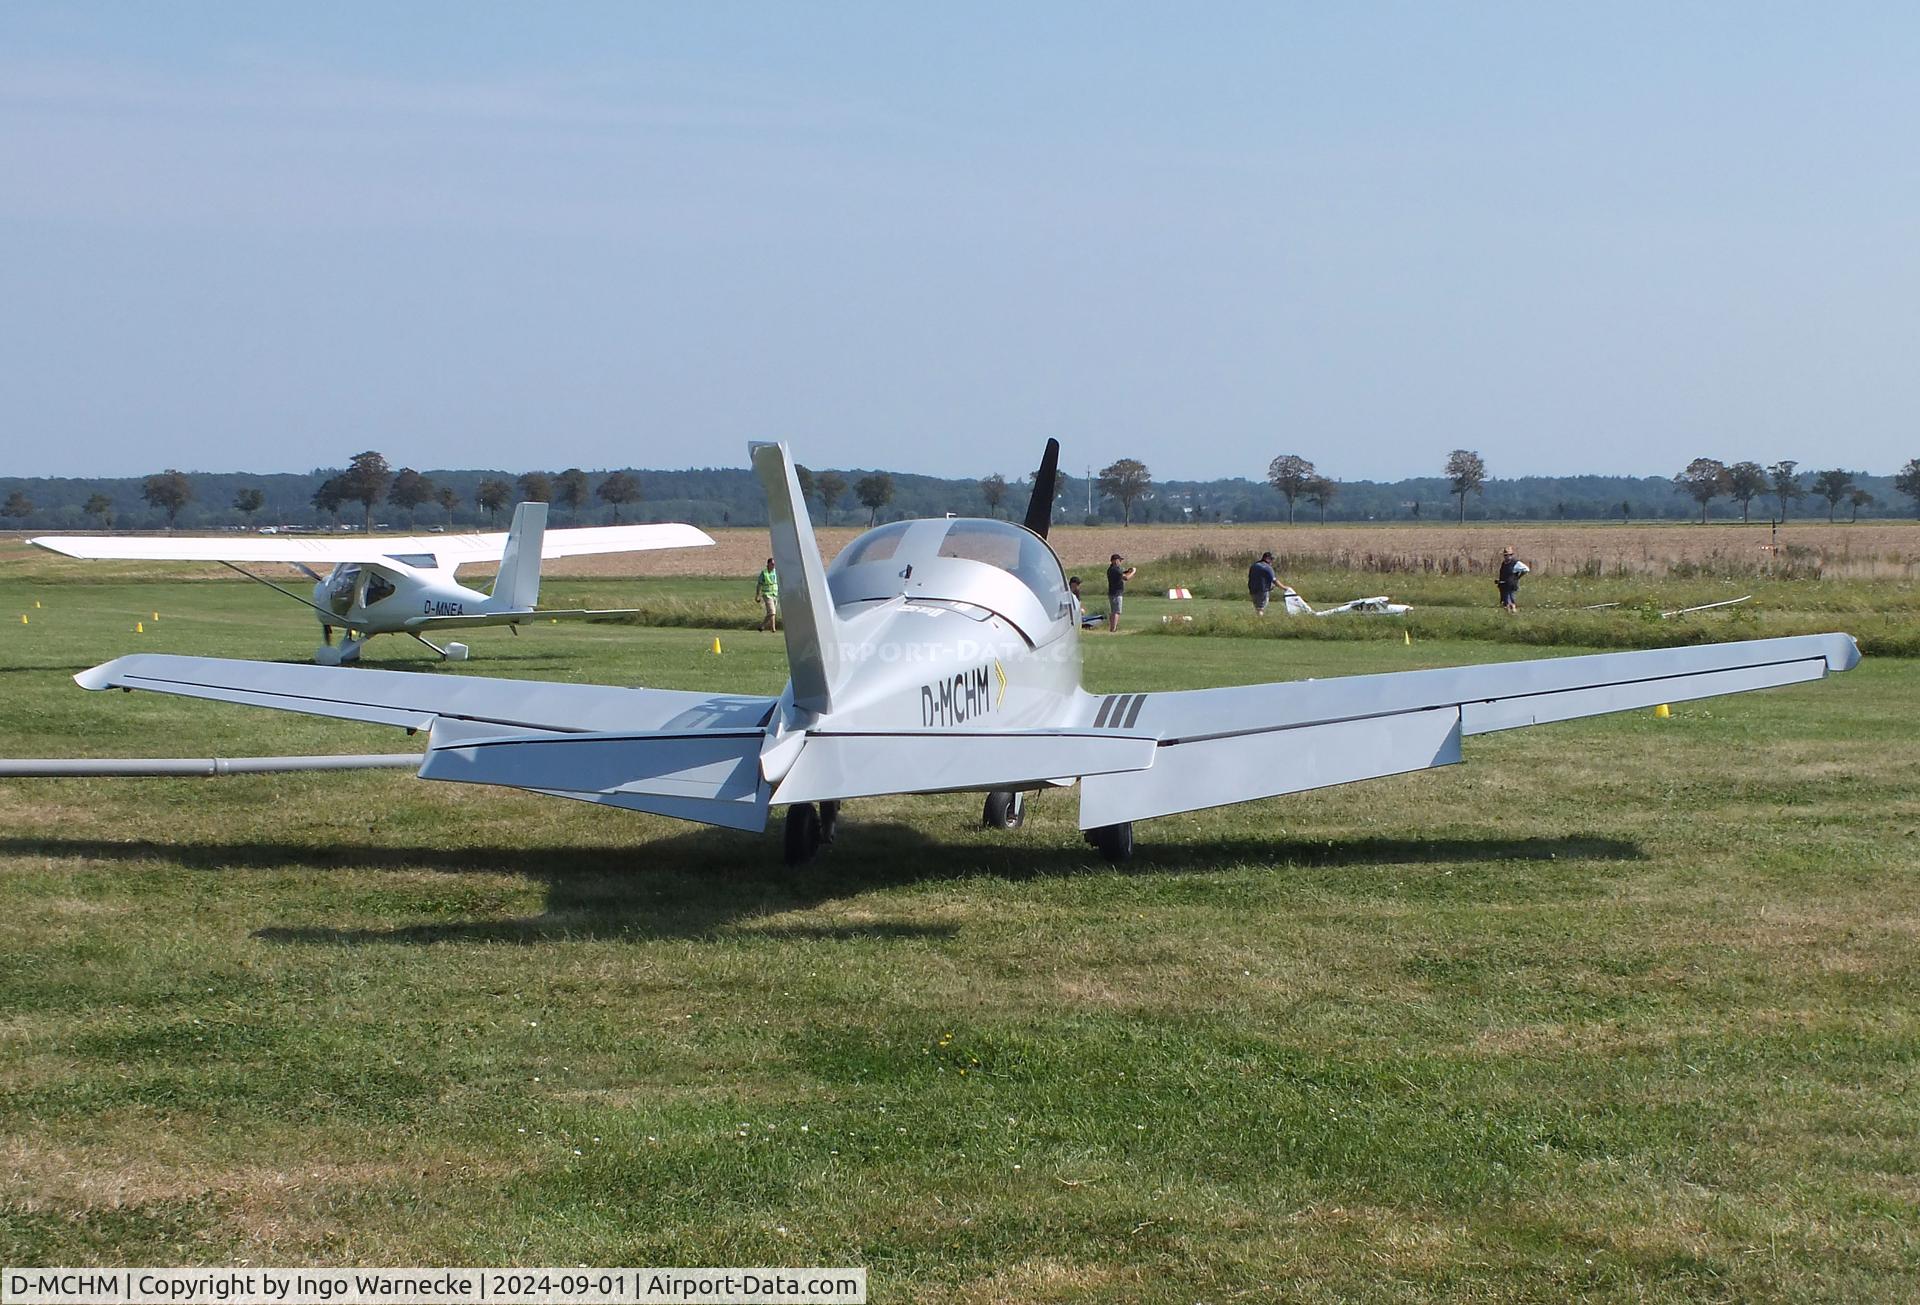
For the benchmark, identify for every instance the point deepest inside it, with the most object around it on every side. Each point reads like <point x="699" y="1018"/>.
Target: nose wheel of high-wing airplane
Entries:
<point x="808" y="828"/>
<point x="1115" y="842"/>
<point x="1005" y="810"/>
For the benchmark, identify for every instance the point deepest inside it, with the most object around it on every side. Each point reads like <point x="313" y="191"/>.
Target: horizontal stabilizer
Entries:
<point x="835" y="766"/>
<point x="711" y="776"/>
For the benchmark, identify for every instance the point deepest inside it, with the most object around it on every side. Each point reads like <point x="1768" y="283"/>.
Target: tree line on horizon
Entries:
<point x="729" y="496"/>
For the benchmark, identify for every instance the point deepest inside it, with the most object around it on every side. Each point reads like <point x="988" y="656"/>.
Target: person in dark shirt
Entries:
<point x="1261" y="581"/>
<point x="1511" y="569"/>
<point x="1117" y="577"/>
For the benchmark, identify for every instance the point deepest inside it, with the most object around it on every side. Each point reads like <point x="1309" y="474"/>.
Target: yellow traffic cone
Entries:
<point x="36" y="604"/>
<point x="716" y="645"/>
<point x="156" y="616"/>
<point x="1408" y="636"/>
<point x="1662" y="712"/>
<point x="23" y="618"/>
<point x="139" y="627"/>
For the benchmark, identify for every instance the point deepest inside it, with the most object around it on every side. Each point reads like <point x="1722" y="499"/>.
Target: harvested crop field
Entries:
<point x="1867" y="550"/>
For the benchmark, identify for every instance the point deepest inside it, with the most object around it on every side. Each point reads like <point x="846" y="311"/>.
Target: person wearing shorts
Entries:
<point x="1118" y="573"/>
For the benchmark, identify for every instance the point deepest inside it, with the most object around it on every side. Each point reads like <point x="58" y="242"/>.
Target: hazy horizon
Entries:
<point x="1578" y="241"/>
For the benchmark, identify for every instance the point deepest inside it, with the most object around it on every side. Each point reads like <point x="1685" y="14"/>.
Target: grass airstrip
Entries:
<point x="1620" y="1008"/>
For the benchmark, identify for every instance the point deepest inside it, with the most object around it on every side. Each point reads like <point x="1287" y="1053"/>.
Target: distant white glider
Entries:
<point x="1377" y="606"/>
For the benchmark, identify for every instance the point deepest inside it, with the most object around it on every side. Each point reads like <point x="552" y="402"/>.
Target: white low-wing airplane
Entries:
<point x="403" y="584"/>
<point x="941" y="656"/>
<point x="1377" y="606"/>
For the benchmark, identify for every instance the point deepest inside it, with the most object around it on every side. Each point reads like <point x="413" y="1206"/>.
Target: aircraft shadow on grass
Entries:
<point x="704" y="883"/>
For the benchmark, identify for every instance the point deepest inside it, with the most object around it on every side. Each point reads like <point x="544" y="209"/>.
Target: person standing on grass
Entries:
<point x="1261" y="581"/>
<point x="1073" y="592"/>
<point x="1117" y="577"/>
<point x="767" y="589"/>
<point x="1511" y="569"/>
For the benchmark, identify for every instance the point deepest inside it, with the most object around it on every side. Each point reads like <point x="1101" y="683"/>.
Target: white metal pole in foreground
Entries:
<point x="161" y="767"/>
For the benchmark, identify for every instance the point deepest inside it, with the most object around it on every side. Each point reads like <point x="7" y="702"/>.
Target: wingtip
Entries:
<point x="99" y="677"/>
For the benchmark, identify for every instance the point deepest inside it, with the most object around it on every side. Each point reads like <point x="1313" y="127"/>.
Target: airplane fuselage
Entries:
<point x="369" y="600"/>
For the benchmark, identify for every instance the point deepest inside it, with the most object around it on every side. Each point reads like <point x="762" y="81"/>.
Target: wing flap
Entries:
<point x="711" y="776"/>
<point x="832" y="767"/>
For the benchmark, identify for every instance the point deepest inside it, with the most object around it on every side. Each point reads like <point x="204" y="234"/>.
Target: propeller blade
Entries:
<point x="1040" y="506"/>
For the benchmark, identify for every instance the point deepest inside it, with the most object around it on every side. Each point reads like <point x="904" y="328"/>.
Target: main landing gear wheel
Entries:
<point x="1005" y="810"/>
<point x="1115" y="842"/>
<point x="803" y="833"/>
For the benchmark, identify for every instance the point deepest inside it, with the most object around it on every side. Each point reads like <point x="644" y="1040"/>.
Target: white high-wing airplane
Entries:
<point x="942" y="656"/>
<point x="403" y="584"/>
<point x="1378" y="606"/>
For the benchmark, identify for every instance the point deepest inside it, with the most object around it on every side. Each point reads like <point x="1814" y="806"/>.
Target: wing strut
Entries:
<point x="331" y="618"/>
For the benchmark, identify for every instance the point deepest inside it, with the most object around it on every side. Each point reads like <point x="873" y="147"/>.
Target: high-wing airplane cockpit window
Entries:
<point x="1009" y="547"/>
<point x="339" y="585"/>
<point x="378" y="587"/>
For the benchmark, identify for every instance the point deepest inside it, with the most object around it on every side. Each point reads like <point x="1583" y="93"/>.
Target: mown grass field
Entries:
<point x="1622" y="1008"/>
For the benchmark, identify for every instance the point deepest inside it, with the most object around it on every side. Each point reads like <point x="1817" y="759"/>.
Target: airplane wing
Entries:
<point x="447" y="551"/>
<point x="1218" y="746"/>
<point x="695" y="756"/>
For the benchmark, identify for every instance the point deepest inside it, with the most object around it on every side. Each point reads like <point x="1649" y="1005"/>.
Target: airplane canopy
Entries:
<point x="947" y="559"/>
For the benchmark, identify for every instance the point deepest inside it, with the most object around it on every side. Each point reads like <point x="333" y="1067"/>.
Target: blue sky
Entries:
<point x="1599" y="238"/>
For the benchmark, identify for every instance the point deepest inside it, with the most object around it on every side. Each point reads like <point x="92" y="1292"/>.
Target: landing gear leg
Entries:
<point x="1115" y="842"/>
<point x="829" y="822"/>
<point x="453" y="652"/>
<point x="803" y="833"/>
<point x="1005" y="810"/>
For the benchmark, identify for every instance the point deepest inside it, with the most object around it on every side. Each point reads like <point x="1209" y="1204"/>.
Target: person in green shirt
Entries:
<point x="767" y="589"/>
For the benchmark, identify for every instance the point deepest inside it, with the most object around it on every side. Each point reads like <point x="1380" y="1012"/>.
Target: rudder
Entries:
<point x="806" y="608"/>
<point x="518" y="584"/>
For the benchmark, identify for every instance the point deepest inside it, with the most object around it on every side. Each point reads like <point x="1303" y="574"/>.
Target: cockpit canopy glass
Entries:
<point x="875" y="546"/>
<point x="912" y="550"/>
<point x="1011" y="549"/>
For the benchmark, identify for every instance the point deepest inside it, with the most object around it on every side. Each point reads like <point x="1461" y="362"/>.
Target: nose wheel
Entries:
<point x="1005" y="810"/>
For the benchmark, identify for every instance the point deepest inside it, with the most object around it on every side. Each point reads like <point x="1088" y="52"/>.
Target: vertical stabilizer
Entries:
<point x="518" y="584"/>
<point x="806" y="608"/>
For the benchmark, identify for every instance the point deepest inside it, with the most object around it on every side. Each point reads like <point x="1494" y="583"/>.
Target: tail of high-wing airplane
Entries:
<point x="517" y="587"/>
<point x="814" y="645"/>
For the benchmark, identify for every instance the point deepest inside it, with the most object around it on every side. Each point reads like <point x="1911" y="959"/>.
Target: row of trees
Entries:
<point x="369" y="480"/>
<point x="1296" y="478"/>
<point x="1705" y="479"/>
<point x="722" y="495"/>
<point x="872" y="492"/>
